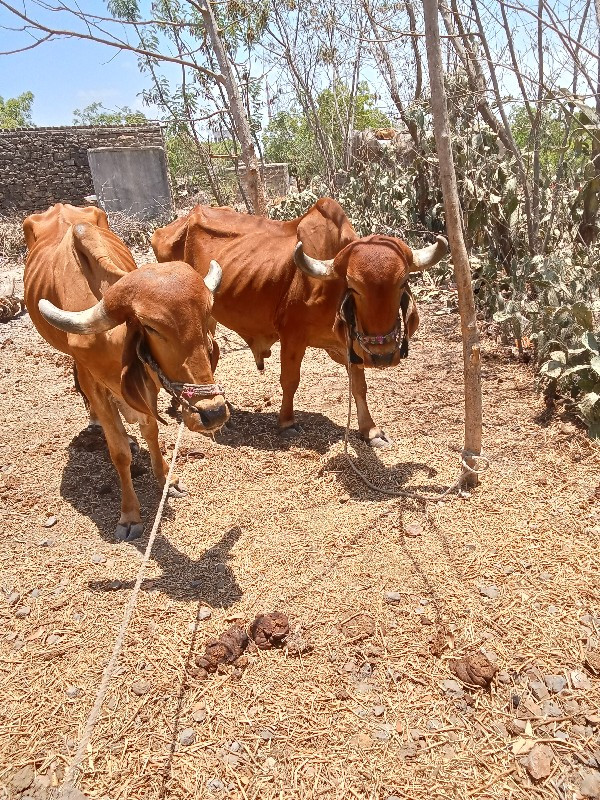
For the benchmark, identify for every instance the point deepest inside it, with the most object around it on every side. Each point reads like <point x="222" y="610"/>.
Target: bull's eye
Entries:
<point x="152" y="331"/>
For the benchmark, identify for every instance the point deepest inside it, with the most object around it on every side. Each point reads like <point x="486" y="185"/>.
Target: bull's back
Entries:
<point x="72" y="271"/>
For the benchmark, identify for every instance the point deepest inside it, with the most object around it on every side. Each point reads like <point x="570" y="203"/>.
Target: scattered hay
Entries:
<point x="132" y="230"/>
<point x="12" y="241"/>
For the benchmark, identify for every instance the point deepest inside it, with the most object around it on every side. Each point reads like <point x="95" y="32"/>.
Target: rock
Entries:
<point x="34" y="594"/>
<point x="204" y="612"/>
<point x="517" y="726"/>
<point x="590" y="785"/>
<point x="592" y="719"/>
<point x="452" y="688"/>
<point x="581" y="731"/>
<point x="503" y="677"/>
<point x="72" y="692"/>
<point x="413" y="529"/>
<point x="267" y="734"/>
<point x="140" y="687"/>
<point x="50" y="522"/>
<point x="562" y="735"/>
<point x="551" y="709"/>
<point x="538" y="762"/>
<point x="46" y="543"/>
<point x="215" y="785"/>
<point x="361" y="741"/>
<point x="555" y="683"/>
<point x="13" y="598"/>
<point x="490" y="590"/>
<point x="22" y="779"/>
<point x="187" y="736"/>
<point x="545" y="576"/>
<point x="22" y="612"/>
<point x="571" y="707"/>
<point x="378" y="711"/>
<point x="579" y="680"/>
<point x="98" y="558"/>
<point x="199" y="715"/>
<point x="434" y="724"/>
<point x="381" y="733"/>
<point x="392" y="597"/>
<point x="416" y="734"/>
<point x="54" y="638"/>
<point x="539" y="690"/>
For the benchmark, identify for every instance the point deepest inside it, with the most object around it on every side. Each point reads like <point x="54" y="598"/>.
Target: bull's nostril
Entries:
<point x="213" y="416"/>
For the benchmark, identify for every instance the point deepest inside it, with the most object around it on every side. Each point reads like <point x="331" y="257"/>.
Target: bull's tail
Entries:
<point x="78" y="387"/>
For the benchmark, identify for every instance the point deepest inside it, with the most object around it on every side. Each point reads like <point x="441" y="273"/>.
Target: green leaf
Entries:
<point x="588" y="403"/>
<point x="590" y="340"/>
<point x="574" y="371"/>
<point x="551" y="369"/>
<point x="595" y="364"/>
<point x="558" y="355"/>
<point x="583" y="315"/>
<point x="594" y="431"/>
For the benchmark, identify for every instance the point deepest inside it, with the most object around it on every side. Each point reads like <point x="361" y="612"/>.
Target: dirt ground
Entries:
<point x="373" y="711"/>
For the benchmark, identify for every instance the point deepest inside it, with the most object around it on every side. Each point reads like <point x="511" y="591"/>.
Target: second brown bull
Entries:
<point x="310" y="282"/>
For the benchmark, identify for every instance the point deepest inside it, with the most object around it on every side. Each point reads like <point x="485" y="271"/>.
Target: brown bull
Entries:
<point x="310" y="282"/>
<point x="129" y="331"/>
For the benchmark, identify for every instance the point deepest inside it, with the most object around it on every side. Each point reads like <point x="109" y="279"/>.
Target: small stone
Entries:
<point x="235" y="747"/>
<point x="22" y="612"/>
<point x="517" y="726"/>
<point x="416" y="734"/>
<point x="562" y="735"/>
<point x="571" y="707"/>
<point x="34" y="593"/>
<point x="579" y="680"/>
<point x="503" y="677"/>
<point x="199" y="715"/>
<point x="98" y="558"/>
<point x="545" y="576"/>
<point x="22" y="779"/>
<point x="204" y="612"/>
<point x="452" y="688"/>
<point x="392" y="597"/>
<point x="580" y="731"/>
<point x="413" y="529"/>
<point x="362" y="687"/>
<point x="46" y="543"/>
<point x="187" y="736"/>
<point x="267" y="734"/>
<point x="13" y="598"/>
<point x="434" y="724"/>
<point x="490" y="590"/>
<point x="231" y="759"/>
<point x="590" y="785"/>
<point x="382" y="734"/>
<point x="538" y="762"/>
<point x="50" y="522"/>
<point x="551" y="709"/>
<point x="72" y="692"/>
<point x="77" y="616"/>
<point x="140" y="687"/>
<point x="113" y="586"/>
<point x="53" y="639"/>
<point x="214" y="785"/>
<point x="555" y="683"/>
<point x="592" y="719"/>
<point x="539" y="690"/>
<point x="361" y="741"/>
<point x="270" y="762"/>
<point x="378" y="711"/>
<point x="508" y="569"/>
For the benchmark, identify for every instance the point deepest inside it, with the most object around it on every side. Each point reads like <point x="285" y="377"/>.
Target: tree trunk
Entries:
<point x="238" y="113"/>
<point x="462" y="272"/>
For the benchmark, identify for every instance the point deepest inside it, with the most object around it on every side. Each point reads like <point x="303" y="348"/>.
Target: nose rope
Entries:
<point x="184" y="392"/>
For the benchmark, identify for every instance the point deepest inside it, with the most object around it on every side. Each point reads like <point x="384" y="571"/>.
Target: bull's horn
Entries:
<point x="213" y="278"/>
<point x="312" y="266"/>
<point x="92" y="320"/>
<point x="428" y="256"/>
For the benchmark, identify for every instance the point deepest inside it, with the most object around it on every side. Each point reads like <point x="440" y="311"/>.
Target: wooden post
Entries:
<point x="460" y="260"/>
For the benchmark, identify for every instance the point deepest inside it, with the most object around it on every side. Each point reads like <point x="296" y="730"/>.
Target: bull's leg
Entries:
<point x="372" y="434"/>
<point x="291" y="359"/>
<point x="160" y="468"/>
<point x="130" y="524"/>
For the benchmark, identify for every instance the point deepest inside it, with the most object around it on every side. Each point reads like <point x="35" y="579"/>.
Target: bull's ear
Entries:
<point x="409" y="312"/>
<point x="28" y="231"/>
<point x="168" y="243"/>
<point x="137" y="389"/>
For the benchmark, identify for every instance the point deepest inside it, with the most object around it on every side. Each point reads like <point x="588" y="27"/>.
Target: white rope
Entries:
<point x="412" y="494"/>
<point x="73" y="772"/>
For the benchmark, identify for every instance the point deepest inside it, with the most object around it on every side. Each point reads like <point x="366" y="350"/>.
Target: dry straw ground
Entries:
<point x="373" y="711"/>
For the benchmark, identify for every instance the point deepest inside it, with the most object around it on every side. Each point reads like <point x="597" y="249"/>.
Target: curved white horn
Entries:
<point x="92" y="320"/>
<point x="213" y="277"/>
<point x="313" y="266"/>
<point x="428" y="256"/>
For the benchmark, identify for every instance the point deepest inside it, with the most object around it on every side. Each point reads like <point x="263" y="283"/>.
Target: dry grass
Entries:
<point x="273" y="524"/>
<point x="12" y="241"/>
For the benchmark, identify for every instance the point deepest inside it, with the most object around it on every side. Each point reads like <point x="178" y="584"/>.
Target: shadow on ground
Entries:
<point x="89" y="483"/>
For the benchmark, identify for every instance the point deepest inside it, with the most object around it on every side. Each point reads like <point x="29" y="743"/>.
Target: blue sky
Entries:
<point x="67" y="74"/>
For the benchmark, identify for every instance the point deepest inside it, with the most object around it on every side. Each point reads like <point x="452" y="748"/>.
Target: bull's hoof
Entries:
<point x="129" y="531"/>
<point x="381" y="442"/>
<point x="133" y="446"/>
<point x="177" y="489"/>
<point x="291" y="432"/>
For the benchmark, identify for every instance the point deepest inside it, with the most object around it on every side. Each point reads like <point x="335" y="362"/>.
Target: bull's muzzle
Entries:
<point x="206" y="416"/>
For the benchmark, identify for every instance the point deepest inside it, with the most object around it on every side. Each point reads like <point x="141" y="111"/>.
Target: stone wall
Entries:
<point x="42" y="166"/>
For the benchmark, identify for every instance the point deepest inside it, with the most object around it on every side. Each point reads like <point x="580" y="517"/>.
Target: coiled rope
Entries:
<point x="68" y="790"/>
